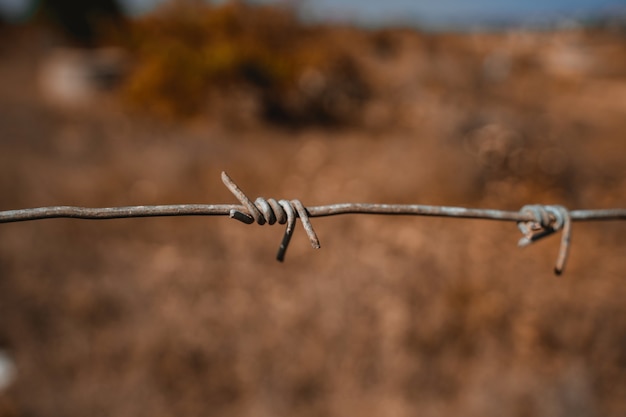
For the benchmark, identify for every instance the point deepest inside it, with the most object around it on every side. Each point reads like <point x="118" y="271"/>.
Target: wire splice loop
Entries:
<point x="272" y="211"/>
<point x="544" y="221"/>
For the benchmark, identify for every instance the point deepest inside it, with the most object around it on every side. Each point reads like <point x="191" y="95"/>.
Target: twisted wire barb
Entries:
<point x="534" y="221"/>
<point x="269" y="211"/>
<point x="547" y="220"/>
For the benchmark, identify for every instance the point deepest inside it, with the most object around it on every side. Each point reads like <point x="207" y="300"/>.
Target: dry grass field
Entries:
<point x="393" y="316"/>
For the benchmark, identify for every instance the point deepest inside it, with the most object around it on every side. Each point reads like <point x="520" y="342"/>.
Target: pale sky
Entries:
<point x="425" y="12"/>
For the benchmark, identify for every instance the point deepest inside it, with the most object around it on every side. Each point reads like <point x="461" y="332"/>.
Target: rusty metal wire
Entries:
<point x="534" y="221"/>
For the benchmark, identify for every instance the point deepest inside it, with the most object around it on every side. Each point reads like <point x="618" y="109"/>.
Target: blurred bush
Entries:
<point x="81" y="22"/>
<point x="193" y="57"/>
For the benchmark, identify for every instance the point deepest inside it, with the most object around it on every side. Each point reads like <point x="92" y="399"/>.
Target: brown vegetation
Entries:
<point x="190" y="57"/>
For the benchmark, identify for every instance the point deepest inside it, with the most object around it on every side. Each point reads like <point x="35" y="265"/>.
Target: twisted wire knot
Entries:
<point x="545" y="220"/>
<point x="271" y="211"/>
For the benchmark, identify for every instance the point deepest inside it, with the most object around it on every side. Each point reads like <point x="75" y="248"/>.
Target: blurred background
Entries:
<point x="481" y="104"/>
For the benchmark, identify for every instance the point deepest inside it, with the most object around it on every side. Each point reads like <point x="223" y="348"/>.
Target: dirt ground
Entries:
<point x="393" y="316"/>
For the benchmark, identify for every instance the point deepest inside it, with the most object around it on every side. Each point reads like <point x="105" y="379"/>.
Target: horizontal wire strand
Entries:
<point x="104" y="213"/>
<point x="534" y="221"/>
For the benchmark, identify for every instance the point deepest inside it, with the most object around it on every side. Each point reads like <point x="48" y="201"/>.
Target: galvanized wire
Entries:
<point x="535" y="222"/>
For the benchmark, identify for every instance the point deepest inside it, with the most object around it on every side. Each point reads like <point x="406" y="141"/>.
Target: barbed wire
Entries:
<point x="534" y="221"/>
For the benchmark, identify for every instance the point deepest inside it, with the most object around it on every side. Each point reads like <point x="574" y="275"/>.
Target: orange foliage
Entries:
<point x="186" y="53"/>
